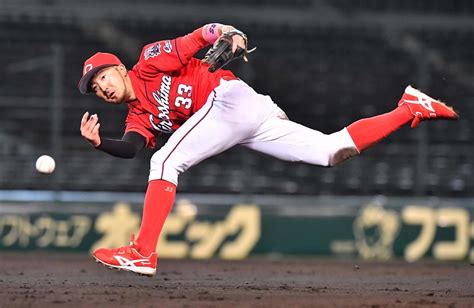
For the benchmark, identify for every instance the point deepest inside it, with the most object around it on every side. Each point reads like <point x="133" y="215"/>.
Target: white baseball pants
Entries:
<point x="235" y="114"/>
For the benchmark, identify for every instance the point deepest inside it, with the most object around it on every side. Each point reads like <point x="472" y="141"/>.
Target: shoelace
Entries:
<point x="125" y="249"/>
<point x="128" y="248"/>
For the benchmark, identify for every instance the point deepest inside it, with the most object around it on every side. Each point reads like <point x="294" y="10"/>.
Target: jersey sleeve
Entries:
<point x="133" y="124"/>
<point x="170" y="55"/>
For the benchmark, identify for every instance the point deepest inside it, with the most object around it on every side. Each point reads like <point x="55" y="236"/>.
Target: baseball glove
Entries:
<point x="221" y="52"/>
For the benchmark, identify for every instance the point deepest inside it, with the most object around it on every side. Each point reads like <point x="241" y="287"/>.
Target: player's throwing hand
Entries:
<point x="90" y="128"/>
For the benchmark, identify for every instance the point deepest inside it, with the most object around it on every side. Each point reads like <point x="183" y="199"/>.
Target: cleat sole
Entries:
<point x="124" y="269"/>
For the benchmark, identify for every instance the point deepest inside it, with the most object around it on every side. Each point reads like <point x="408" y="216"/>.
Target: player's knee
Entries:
<point x="340" y="148"/>
<point x="340" y="155"/>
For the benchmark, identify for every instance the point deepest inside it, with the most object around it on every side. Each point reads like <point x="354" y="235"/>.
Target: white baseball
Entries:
<point x="45" y="164"/>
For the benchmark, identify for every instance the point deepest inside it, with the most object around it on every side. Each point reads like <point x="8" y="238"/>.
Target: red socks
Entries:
<point x="159" y="199"/>
<point x="367" y="132"/>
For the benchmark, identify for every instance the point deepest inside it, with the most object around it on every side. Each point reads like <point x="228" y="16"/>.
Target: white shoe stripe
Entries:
<point x="126" y="262"/>
<point x="423" y="99"/>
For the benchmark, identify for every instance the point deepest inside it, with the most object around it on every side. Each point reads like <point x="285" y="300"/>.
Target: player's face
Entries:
<point x="109" y="84"/>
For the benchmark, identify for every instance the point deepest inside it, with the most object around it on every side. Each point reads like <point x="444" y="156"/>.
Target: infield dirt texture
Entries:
<point x="75" y="280"/>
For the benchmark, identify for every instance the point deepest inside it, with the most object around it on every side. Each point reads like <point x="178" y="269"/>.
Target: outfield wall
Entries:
<point x="234" y="227"/>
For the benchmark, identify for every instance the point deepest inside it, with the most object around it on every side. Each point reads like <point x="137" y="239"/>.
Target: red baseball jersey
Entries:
<point x="170" y="86"/>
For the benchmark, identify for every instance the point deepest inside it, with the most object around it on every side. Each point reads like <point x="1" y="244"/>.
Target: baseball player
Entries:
<point x="208" y="110"/>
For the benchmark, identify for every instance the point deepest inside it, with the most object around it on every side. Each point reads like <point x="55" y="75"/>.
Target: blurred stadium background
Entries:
<point x="326" y="63"/>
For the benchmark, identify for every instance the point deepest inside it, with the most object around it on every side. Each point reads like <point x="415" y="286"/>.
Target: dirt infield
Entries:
<point x="73" y="280"/>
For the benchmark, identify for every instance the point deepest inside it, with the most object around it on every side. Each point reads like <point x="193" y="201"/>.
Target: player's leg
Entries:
<point x="228" y="117"/>
<point x="293" y="142"/>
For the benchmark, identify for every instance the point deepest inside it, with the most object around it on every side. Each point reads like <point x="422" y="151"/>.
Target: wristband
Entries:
<point x="211" y="33"/>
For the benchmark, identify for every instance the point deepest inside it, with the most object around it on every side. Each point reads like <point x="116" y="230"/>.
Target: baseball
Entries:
<point x="45" y="164"/>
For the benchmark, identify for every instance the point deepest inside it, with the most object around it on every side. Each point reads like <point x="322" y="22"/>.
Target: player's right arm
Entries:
<point x="130" y="144"/>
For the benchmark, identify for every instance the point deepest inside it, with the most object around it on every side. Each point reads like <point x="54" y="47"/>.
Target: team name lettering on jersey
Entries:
<point x="162" y="98"/>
